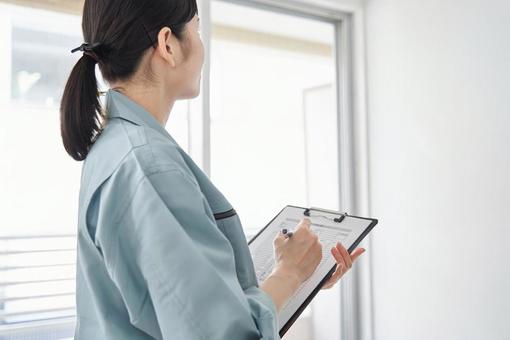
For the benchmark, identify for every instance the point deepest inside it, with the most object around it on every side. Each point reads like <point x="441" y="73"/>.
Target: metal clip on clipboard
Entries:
<point x="306" y="212"/>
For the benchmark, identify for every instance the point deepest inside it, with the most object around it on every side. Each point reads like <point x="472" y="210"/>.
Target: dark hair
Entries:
<point x="118" y="33"/>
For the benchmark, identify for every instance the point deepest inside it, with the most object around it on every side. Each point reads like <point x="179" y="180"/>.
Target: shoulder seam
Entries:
<point x="153" y="165"/>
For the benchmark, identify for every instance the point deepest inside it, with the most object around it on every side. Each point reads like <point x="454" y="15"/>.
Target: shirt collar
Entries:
<point x="119" y="105"/>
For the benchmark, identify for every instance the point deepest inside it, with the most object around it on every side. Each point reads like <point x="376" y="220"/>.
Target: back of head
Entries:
<point x="117" y="34"/>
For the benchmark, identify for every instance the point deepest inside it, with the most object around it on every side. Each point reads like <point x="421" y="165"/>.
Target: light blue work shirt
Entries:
<point x="161" y="252"/>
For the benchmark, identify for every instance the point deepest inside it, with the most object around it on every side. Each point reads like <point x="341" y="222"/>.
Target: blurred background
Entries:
<point x="395" y="109"/>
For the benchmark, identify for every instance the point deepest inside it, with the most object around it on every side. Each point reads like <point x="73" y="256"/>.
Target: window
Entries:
<point x="273" y="115"/>
<point x="37" y="234"/>
<point x="272" y="110"/>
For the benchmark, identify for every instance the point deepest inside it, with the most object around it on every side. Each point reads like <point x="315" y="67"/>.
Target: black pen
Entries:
<point x="287" y="234"/>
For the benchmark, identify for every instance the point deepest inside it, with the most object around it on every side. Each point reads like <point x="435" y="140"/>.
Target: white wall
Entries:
<point x="439" y="138"/>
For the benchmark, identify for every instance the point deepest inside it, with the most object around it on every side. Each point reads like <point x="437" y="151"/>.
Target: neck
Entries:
<point x="156" y="101"/>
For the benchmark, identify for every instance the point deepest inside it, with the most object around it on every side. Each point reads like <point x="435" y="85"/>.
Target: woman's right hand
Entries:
<point x="298" y="255"/>
<point x="297" y="258"/>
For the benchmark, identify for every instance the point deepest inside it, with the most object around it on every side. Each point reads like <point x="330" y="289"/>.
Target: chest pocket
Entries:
<point x="230" y="225"/>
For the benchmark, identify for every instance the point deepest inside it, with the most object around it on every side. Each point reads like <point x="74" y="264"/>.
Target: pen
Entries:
<point x="287" y="233"/>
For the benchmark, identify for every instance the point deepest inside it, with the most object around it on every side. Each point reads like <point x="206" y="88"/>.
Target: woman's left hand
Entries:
<point x="344" y="262"/>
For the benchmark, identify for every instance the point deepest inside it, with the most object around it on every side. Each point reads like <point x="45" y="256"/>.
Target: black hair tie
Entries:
<point x="88" y="50"/>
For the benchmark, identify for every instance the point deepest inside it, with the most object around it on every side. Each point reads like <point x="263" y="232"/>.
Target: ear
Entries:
<point x="165" y="47"/>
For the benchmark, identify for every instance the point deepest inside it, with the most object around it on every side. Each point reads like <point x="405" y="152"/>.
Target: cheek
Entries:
<point x="201" y="45"/>
<point x="199" y="48"/>
<point x="199" y="54"/>
<point x="195" y="52"/>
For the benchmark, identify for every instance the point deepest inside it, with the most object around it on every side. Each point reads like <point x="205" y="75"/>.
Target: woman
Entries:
<point x="161" y="252"/>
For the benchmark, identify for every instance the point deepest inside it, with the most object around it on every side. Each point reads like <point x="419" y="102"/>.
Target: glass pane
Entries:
<point x="178" y="124"/>
<point x="273" y="121"/>
<point x="37" y="234"/>
<point x="273" y="116"/>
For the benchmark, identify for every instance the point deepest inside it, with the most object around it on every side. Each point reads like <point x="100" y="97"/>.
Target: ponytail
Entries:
<point x="80" y="109"/>
<point x="118" y="33"/>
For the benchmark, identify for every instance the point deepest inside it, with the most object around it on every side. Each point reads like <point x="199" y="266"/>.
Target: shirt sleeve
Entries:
<point x="188" y="265"/>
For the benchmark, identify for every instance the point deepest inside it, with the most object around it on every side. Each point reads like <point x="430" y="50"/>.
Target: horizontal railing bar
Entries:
<point x="39" y="324"/>
<point x="37" y="266"/>
<point x="17" y="252"/>
<point x="4" y="315"/>
<point x="26" y="237"/>
<point x="14" y="283"/>
<point x="18" y="298"/>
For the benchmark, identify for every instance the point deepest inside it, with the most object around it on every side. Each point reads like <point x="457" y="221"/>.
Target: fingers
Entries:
<point x="356" y="253"/>
<point x="304" y="233"/>
<point x="341" y="267"/>
<point x="341" y="258"/>
<point x="304" y="223"/>
<point x="345" y="255"/>
<point x="338" y="257"/>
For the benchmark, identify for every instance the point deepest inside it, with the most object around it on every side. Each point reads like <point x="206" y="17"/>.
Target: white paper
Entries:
<point x="329" y="233"/>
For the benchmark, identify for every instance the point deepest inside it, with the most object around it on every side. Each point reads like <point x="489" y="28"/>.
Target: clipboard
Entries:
<point x="334" y="218"/>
